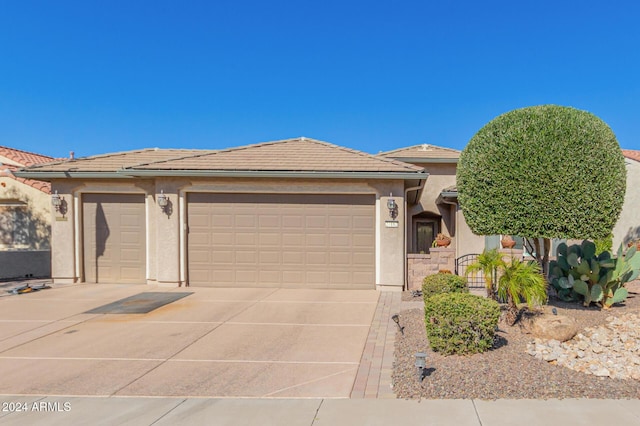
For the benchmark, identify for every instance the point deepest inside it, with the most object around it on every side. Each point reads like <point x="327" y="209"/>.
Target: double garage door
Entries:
<point x="288" y="240"/>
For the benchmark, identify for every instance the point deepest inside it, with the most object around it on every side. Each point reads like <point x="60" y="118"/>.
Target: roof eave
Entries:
<point x="47" y="176"/>
<point x="275" y="174"/>
<point x="414" y="160"/>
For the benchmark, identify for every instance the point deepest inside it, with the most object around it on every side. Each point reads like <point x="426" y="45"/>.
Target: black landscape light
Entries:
<point x="396" y="319"/>
<point x="421" y="363"/>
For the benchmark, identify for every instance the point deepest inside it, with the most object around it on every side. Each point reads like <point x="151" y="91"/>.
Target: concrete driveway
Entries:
<point x="279" y="343"/>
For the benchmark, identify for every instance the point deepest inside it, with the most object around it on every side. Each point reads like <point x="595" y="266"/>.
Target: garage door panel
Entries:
<point x="316" y="240"/>
<point x="292" y="222"/>
<point x="316" y="222"/>
<point x="282" y="240"/>
<point x="269" y="239"/>
<point x="224" y="238"/>
<point x="245" y="238"/>
<point x="319" y="278"/>
<point x="243" y="221"/>
<point x="293" y="258"/>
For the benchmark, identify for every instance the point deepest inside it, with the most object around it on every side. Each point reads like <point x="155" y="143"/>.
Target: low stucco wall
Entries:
<point x="421" y="265"/>
<point x="20" y="264"/>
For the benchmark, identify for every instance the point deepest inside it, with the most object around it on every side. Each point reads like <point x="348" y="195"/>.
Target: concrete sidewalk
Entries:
<point x="291" y="412"/>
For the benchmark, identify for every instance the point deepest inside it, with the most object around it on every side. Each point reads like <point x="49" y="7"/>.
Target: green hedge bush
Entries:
<point x="461" y="323"/>
<point x="443" y="283"/>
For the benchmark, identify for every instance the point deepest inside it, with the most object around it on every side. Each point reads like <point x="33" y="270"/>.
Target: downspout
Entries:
<point x="406" y="229"/>
<point x="455" y="218"/>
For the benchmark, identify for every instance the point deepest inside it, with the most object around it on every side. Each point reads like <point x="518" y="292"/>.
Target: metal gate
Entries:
<point x="475" y="280"/>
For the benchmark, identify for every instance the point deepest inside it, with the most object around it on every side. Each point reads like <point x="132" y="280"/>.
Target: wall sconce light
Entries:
<point x="392" y="206"/>
<point x="56" y="201"/>
<point x="421" y="363"/>
<point x="163" y="201"/>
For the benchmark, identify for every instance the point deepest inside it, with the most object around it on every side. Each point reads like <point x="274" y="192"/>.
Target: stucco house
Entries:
<point x="291" y="213"/>
<point x="24" y="217"/>
<point x="628" y="227"/>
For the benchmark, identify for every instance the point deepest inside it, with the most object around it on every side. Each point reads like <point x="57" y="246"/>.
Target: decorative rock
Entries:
<point x="556" y="327"/>
<point x="612" y="350"/>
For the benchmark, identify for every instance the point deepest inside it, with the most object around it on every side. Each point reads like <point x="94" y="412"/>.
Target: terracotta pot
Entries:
<point x="444" y="242"/>
<point x="508" y="242"/>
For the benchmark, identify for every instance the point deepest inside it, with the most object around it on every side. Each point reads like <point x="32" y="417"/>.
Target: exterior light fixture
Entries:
<point x="56" y="201"/>
<point x="163" y="201"/>
<point x="396" y="319"/>
<point x="421" y="363"/>
<point x="392" y="206"/>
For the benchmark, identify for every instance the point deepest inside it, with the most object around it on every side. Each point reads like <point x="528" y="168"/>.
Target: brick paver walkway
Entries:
<point x="373" y="379"/>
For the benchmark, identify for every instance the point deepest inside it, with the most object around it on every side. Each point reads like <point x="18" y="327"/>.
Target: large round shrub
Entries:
<point x="544" y="171"/>
<point x="461" y="323"/>
<point x="443" y="283"/>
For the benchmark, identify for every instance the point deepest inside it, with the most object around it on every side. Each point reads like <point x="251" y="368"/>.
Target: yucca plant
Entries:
<point x="521" y="282"/>
<point x="489" y="261"/>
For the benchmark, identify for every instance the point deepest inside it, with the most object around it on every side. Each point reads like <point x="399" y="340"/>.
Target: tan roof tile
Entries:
<point x="299" y="154"/>
<point x="632" y="154"/>
<point x="115" y="161"/>
<point x="425" y="151"/>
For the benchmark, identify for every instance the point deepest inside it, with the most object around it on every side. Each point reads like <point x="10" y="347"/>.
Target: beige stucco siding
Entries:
<point x="628" y="226"/>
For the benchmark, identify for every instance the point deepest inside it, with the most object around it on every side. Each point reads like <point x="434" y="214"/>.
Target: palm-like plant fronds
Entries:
<point x="521" y="282"/>
<point x="489" y="261"/>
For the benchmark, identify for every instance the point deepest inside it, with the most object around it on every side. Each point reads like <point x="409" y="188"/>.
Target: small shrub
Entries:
<point x="461" y="323"/>
<point x="604" y="244"/>
<point x="443" y="283"/>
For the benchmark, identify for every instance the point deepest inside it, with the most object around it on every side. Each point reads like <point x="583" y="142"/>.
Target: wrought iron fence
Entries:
<point x="474" y="280"/>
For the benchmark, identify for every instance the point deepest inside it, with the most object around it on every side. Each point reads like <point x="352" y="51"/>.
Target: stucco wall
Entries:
<point x="628" y="226"/>
<point x="38" y="208"/>
<point x="466" y="241"/>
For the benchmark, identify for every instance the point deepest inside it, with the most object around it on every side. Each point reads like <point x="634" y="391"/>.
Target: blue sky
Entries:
<point x="103" y="76"/>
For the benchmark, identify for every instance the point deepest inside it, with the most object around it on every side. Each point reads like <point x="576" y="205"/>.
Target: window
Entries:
<point x="14" y="221"/>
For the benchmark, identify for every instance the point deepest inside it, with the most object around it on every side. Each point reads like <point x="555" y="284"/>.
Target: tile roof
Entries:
<point x="425" y="151"/>
<point x="23" y="159"/>
<point x="632" y="154"/>
<point x="298" y="154"/>
<point x="115" y="161"/>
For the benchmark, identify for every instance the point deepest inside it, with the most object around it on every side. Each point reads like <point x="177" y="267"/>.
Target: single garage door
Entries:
<point x="281" y="240"/>
<point x="114" y="238"/>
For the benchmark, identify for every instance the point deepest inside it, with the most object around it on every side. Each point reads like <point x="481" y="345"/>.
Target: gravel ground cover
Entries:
<point x="506" y="371"/>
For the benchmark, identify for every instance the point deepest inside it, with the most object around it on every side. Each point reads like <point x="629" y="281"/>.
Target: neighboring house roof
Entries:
<point x="16" y="158"/>
<point x="632" y="154"/>
<point x="423" y="153"/>
<point x="298" y="157"/>
<point x="23" y="158"/>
